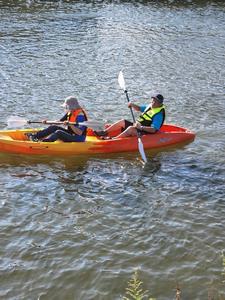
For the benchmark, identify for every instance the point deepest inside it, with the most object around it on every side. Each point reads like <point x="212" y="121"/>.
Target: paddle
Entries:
<point x="121" y="82"/>
<point x="15" y="121"/>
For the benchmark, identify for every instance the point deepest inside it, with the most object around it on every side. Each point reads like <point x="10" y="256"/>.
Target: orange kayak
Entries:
<point x="16" y="141"/>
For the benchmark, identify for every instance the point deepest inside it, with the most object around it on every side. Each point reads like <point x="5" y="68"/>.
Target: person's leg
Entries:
<point x="120" y="125"/>
<point x="47" y="131"/>
<point x="130" y="131"/>
<point x="64" y="137"/>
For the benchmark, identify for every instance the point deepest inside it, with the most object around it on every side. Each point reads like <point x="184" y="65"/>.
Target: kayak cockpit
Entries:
<point x="16" y="135"/>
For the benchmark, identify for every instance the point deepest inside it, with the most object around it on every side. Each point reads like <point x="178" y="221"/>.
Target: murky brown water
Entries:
<point x="78" y="228"/>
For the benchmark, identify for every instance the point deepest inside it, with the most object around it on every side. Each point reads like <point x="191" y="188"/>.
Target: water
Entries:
<point x="78" y="228"/>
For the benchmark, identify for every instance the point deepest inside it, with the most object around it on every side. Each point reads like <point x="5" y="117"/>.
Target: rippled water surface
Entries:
<point x="78" y="228"/>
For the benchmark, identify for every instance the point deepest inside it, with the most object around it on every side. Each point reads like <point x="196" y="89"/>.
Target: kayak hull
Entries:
<point x="15" y="141"/>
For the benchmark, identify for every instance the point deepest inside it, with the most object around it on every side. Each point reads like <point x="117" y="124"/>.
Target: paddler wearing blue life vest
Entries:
<point x="149" y="122"/>
<point x="72" y="133"/>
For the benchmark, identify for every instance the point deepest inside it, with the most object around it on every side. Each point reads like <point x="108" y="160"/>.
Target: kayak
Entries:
<point x="16" y="141"/>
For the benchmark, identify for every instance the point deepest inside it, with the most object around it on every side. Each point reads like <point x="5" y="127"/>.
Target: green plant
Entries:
<point x="223" y="262"/>
<point x="134" y="290"/>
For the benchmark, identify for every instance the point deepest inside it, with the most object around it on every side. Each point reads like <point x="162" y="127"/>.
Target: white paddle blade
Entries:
<point x="92" y="124"/>
<point x="15" y="121"/>
<point x="121" y="81"/>
<point x="141" y="150"/>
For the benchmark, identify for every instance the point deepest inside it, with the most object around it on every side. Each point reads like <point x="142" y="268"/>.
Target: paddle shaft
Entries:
<point x="132" y="113"/>
<point x="131" y="110"/>
<point x="57" y="123"/>
<point x="140" y="144"/>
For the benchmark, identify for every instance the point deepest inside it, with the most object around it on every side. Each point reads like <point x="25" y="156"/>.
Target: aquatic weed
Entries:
<point x="223" y="263"/>
<point x="134" y="290"/>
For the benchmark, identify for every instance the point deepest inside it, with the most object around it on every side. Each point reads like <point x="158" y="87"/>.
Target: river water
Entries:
<point x="78" y="228"/>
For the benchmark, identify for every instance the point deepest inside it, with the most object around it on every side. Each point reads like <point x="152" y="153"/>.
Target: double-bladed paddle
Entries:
<point x="15" y="121"/>
<point x="122" y="84"/>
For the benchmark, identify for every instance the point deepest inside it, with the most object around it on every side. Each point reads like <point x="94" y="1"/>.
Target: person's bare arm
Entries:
<point x="135" y="106"/>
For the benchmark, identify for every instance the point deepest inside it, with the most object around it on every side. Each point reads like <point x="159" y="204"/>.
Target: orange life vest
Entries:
<point x="72" y="117"/>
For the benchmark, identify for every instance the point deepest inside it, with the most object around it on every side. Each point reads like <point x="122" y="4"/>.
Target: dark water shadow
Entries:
<point x="20" y="160"/>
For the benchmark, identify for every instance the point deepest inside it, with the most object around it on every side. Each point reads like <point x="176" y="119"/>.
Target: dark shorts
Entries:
<point x="128" y="124"/>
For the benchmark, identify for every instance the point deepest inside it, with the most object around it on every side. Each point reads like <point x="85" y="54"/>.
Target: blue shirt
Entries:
<point x="157" y="120"/>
